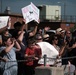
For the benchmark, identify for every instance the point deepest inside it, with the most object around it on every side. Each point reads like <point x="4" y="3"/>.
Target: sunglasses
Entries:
<point x="55" y="39"/>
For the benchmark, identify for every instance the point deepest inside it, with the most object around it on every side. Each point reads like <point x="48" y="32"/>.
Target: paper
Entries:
<point x="30" y="13"/>
<point x="3" y="21"/>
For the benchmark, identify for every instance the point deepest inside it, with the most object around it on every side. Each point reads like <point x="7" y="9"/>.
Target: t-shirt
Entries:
<point x="30" y="52"/>
<point x="11" y="56"/>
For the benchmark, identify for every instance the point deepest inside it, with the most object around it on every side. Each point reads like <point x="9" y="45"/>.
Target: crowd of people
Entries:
<point x="20" y="51"/>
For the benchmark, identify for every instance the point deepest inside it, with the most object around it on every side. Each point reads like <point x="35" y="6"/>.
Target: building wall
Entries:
<point x="14" y="18"/>
<point x="52" y="25"/>
<point x="51" y="12"/>
<point x="67" y="26"/>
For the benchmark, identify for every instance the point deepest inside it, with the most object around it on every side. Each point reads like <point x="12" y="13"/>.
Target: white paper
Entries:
<point x="50" y="51"/>
<point x="30" y="13"/>
<point x="3" y="21"/>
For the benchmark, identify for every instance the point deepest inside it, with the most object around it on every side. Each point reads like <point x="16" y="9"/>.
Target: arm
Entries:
<point x="3" y="59"/>
<point x="34" y="31"/>
<point x="2" y="29"/>
<point x="20" y="38"/>
<point x="18" y="48"/>
<point x="61" y="51"/>
<point x="8" y="48"/>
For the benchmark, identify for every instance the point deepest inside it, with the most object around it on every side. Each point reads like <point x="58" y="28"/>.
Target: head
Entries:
<point x="46" y="28"/>
<point x="46" y="37"/>
<point x="68" y="34"/>
<point x="31" y="43"/>
<point x="17" y="25"/>
<point x="39" y="31"/>
<point x="58" y="31"/>
<point x="62" y="34"/>
<point x="7" y="41"/>
<point x="5" y="32"/>
<point x="38" y="38"/>
<point x="54" y="39"/>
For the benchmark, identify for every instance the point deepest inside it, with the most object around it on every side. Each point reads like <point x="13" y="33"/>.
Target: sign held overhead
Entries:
<point x="30" y="13"/>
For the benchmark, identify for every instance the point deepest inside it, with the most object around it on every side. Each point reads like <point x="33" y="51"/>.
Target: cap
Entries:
<point x="45" y="36"/>
<point x="63" y="31"/>
<point x="59" y="29"/>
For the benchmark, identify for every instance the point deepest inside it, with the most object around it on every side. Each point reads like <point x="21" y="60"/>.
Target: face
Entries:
<point x="39" y="39"/>
<point x="62" y="34"/>
<point x="31" y="45"/>
<point x="6" y="33"/>
<point x="55" y="41"/>
<point x="68" y="34"/>
<point x="8" y="42"/>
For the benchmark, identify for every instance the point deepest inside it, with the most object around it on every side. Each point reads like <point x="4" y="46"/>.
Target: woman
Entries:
<point x="10" y="67"/>
<point x="54" y="42"/>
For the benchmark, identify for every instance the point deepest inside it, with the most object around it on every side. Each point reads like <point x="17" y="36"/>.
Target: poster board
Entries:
<point x="30" y="13"/>
<point x="3" y="21"/>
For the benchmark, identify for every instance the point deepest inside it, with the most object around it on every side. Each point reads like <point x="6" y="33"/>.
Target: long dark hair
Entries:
<point x="4" y="39"/>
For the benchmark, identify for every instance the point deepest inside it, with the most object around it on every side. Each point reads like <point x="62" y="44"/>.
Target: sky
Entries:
<point x="16" y="5"/>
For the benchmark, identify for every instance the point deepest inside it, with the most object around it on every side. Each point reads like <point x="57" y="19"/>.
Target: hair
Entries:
<point x="5" y="39"/>
<point x="6" y="30"/>
<point x="17" y="24"/>
<point x="53" y="37"/>
<point x="31" y="41"/>
<point x="37" y="36"/>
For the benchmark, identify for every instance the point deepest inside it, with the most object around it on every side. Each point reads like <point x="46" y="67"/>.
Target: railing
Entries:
<point x="60" y="18"/>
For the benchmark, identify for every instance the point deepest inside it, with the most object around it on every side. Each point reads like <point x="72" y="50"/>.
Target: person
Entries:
<point x="18" y="26"/>
<point x="39" y="31"/>
<point x="46" y="38"/>
<point x="4" y="30"/>
<point x="2" y="60"/>
<point x="10" y="67"/>
<point x="54" y="42"/>
<point x="58" y="31"/>
<point x="38" y="38"/>
<point x="45" y="29"/>
<point x="69" y="52"/>
<point x="70" y="46"/>
<point x="20" y="54"/>
<point x="32" y="55"/>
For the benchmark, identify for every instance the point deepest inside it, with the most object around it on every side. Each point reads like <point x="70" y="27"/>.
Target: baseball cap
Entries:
<point x="45" y="36"/>
<point x="59" y="29"/>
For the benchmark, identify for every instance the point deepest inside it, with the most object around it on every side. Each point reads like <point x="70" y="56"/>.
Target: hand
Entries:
<point x="5" y="59"/>
<point x="74" y="45"/>
<point x="24" y="21"/>
<point x="36" y="58"/>
<point x="13" y="40"/>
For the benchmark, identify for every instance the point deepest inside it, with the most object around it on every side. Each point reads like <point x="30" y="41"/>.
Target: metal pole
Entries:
<point x="45" y="57"/>
<point x="1" y="6"/>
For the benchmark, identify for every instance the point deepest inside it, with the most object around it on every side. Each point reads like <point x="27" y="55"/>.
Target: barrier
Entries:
<point x="45" y="70"/>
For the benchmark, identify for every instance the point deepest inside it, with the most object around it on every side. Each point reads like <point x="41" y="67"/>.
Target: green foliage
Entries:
<point x="73" y="28"/>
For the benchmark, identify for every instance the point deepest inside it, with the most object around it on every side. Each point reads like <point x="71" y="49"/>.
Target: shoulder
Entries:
<point x="2" y="48"/>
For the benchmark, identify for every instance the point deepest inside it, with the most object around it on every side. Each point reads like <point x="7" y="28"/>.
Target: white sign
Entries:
<point x="30" y="13"/>
<point x="3" y="21"/>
